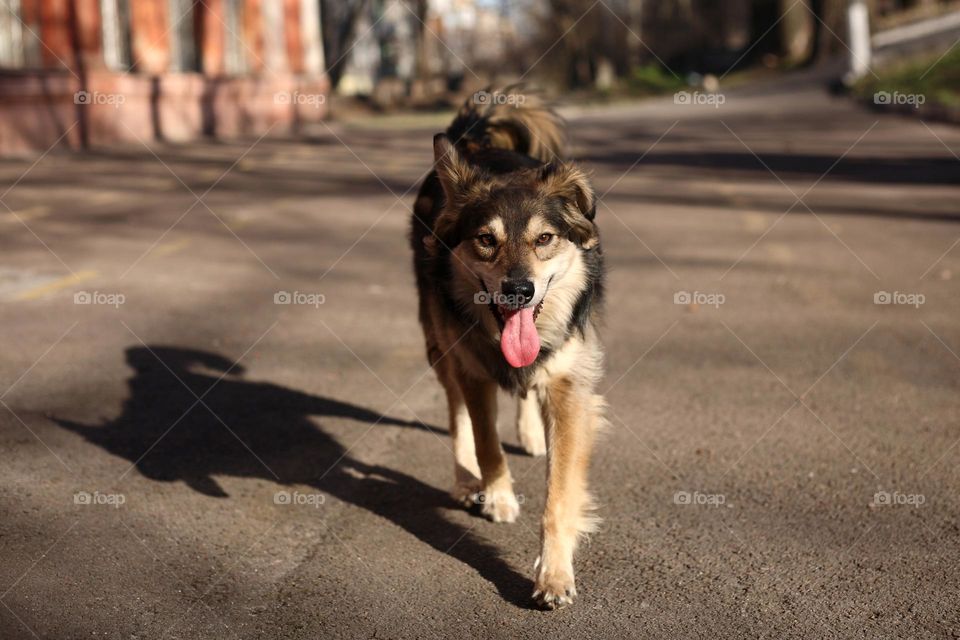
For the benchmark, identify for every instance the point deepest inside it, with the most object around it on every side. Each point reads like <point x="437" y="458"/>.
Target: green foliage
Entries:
<point x="938" y="81"/>
<point x="652" y="79"/>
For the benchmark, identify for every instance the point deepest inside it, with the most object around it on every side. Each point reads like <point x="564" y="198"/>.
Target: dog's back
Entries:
<point x="522" y="123"/>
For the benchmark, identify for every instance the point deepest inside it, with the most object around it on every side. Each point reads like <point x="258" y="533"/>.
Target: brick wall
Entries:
<point x="68" y="96"/>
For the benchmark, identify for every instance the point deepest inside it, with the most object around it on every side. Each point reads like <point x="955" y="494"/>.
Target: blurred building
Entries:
<point x="478" y="33"/>
<point x="401" y="57"/>
<point x="90" y="72"/>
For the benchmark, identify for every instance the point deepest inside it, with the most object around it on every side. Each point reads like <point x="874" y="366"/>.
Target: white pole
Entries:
<point x="312" y="37"/>
<point x="275" y="53"/>
<point x="858" y="27"/>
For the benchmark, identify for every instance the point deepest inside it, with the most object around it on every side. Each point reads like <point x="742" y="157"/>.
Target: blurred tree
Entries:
<point x="420" y="9"/>
<point x="582" y="41"/>
<point x="339" y="33"/>
<point x="635" y="48"/>
<point x="592" y="44"/>
<point x="797" y="29"/>
<point x="829" y="22"/>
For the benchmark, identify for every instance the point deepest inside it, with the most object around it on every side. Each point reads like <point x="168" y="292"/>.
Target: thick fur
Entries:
<point x="502" y="205"/>
<point x="531" y="128"/>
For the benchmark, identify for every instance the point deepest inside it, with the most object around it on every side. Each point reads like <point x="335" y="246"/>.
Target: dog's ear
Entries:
<point x="457" y="178"/>
<point x="571" y="185"/>
<point x="455" y="175"/>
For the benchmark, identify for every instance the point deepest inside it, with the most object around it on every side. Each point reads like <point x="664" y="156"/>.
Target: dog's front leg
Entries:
<point x="499" y="502"/>
<point x="572" y="414"/>
<point x="466" y="473"/>
<point x="530" y="428"/>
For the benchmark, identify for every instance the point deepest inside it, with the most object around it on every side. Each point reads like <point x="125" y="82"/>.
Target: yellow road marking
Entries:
<point x="56" y="285"/>
<point x="27" y="214"/>
<point x="207" y="174"/>
<point x="106" y="197"/>
<point x="754" y="221"/>
<point x="240" y="223"/>
<point x="171" y="247"/>
<point x="780" y="252"/>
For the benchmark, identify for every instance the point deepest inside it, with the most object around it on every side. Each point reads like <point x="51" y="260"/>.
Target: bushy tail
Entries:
<point x="509" y="118"/>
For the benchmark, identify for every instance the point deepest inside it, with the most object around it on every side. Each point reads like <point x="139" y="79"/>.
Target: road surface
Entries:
<point x="187" y="456"/>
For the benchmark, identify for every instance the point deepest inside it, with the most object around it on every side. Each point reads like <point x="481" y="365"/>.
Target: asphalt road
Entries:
<point x="185" y="458"/>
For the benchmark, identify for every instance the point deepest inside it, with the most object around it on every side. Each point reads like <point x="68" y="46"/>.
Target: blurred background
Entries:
<point x="185" y="69"/>
<point x="216" y="414"/>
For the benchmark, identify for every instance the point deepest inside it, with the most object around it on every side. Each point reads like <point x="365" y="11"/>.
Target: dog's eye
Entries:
<point x="544" y="239"/>
<point x="486" y="239"/>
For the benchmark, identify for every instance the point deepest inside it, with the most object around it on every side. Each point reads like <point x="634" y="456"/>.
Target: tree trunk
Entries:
<point x="339" y="33"/>
<point x="796" y="32"/>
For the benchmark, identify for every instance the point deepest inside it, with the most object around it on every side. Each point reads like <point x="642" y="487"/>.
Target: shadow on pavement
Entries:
<point x="903" y="170"/>
<point x="895" y="208"/>
<point x="262" y="430"/>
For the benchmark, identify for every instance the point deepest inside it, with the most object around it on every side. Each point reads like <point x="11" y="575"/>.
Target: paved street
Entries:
<point x="186" y="458"/>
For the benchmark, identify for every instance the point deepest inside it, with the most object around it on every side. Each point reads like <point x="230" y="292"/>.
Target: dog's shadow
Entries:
<point x="262" y="430"/>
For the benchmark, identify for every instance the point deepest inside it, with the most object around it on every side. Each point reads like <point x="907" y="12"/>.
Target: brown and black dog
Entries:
<point x="510" y="278"/>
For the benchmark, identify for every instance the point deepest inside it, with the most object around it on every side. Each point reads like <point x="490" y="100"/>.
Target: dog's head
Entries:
<point x="516" y="238"/>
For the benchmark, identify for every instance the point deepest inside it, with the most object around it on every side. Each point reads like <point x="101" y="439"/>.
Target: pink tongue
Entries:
<point x="519" y="341"/>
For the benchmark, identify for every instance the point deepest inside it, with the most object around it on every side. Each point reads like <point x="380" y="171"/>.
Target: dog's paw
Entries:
<point x="499" y="505"/>
<point x="554" y="589"/>
<point x="533" y="442"/>
<point x="466" y="492"/>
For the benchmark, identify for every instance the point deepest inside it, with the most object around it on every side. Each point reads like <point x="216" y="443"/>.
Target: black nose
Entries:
<point x="518" y="292"/>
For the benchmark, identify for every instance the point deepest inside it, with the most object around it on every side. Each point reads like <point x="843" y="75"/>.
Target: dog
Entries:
<point x="510" y="274"/>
